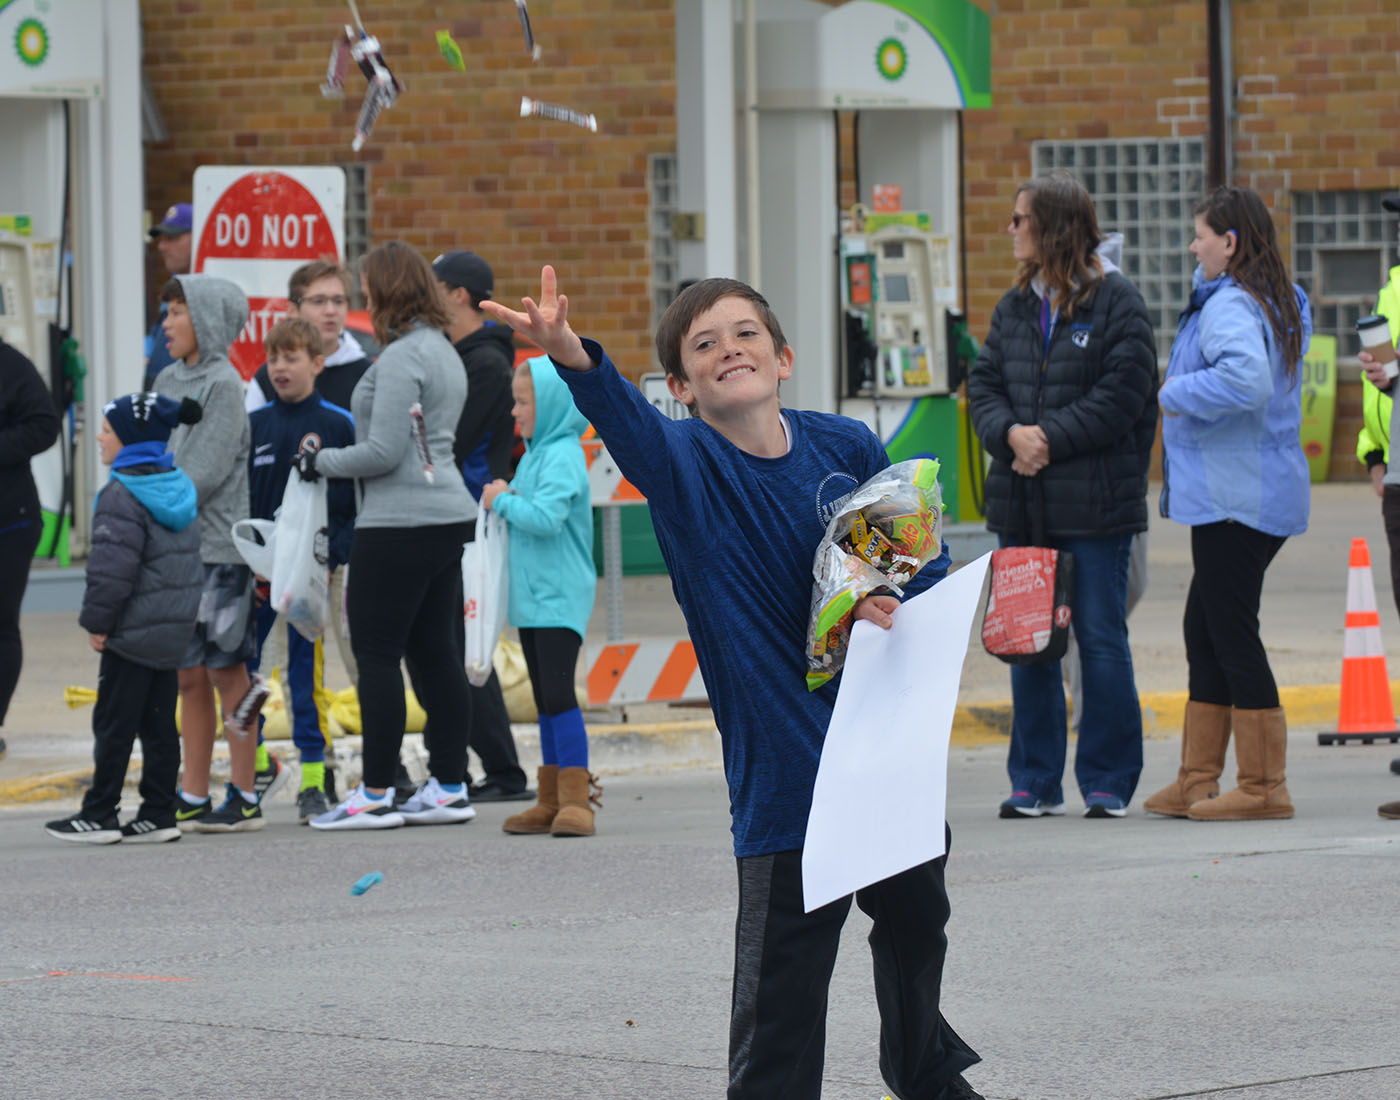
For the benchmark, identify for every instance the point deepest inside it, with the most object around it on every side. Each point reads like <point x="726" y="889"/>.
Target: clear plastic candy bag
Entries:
<point x="885" y="532"/>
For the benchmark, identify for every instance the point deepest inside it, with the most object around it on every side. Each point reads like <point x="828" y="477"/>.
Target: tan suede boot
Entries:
<point x="1205" y="732"/>
<point x="575" y="816"/>
<point x="539" y="817"/>
<point x="1261" y="745"/>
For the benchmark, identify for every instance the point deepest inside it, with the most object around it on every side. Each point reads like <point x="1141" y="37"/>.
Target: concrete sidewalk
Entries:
<point x="1302" y="621"/>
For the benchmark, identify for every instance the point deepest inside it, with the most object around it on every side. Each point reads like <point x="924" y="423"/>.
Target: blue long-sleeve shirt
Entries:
<point x="279" y="430"/>
<point x="738" y="534"/>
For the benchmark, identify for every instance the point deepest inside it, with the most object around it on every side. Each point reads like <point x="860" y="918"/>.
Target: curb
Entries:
<point x="625" y="746"/>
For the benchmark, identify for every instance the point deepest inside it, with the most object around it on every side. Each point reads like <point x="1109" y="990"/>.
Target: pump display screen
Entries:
<point x="3" y="310"/>
<point x="896" y="288"/>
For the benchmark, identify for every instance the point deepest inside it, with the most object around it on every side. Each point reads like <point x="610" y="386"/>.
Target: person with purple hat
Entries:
<point x="174" y="241"/>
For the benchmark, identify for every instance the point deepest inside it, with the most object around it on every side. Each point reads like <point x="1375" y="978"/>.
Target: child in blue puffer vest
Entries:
<point x="547" y="510"/>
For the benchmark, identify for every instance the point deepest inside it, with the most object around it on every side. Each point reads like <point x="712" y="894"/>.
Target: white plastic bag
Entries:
<point x="486" y="589"/>
<point x="253" y="539"/>
<point x="300" y="576"/>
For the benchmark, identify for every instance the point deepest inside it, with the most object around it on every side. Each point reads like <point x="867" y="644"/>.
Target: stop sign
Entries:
<point x="254" y="227"/>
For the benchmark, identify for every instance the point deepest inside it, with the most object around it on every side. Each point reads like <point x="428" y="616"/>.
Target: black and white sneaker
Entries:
<point x="80" y="829"/>
<point x="143" y="830"/>
<point x="431" y="805"/>
<point x="270" y="779"/>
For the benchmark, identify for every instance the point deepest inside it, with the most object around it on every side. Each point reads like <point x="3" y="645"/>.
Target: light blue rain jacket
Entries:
<point x="1232" y="450"/>
<point x="549" y="514"/>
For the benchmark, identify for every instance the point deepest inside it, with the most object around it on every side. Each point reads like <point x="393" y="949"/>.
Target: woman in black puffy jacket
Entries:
<point x="1063" y="398"/>
<point x="28" y="426"/>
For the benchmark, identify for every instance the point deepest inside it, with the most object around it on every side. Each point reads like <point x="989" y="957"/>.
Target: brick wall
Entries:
<point x="452" y="164"/>
<point x="1318" y="108"/>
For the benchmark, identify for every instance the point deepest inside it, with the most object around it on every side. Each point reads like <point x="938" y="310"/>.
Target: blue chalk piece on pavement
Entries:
<point x="366" y="882"/>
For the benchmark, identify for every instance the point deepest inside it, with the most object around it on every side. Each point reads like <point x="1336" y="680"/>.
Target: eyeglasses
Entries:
<point x="1017" y="219"/>
<point x="320" y="301"/>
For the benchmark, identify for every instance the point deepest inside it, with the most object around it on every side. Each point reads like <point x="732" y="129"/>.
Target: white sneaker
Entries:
<point x="361" y="811"/>
<point x="431" y="805"/>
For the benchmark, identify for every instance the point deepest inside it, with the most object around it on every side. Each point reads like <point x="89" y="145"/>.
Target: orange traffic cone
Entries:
<point x="1366" y="712"/>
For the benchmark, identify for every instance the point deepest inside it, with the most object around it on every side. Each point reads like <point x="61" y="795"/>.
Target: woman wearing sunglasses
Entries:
<point x="1063" y="398"/>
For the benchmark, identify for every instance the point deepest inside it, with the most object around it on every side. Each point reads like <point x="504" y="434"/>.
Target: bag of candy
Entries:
<point x="886" y="531"/>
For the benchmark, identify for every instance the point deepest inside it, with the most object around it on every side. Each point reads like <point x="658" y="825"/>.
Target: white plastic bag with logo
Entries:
<point x="300" y="577"/>
<point x="485" y="589"/>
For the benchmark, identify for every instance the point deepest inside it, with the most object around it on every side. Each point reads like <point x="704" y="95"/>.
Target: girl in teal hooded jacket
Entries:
<point x="546" y="508"/>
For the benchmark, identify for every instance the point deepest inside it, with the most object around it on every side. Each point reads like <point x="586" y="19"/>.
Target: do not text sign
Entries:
<point x="254" y="227"/>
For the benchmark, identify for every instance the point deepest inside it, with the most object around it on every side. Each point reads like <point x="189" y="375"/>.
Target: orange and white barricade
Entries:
<point x="643" y="672"/>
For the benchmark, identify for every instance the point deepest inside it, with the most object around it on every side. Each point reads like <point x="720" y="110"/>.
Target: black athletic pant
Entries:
<point x="783" y="960"/>
<point x="134" y="701"/>
<point x="551" y="655"/>
<point x="488" y="722"/>
<point x="405" y="592"/>
<point x="17" y="547"/>
<point x="1390" y="515"/>
<point x="1226" y="661"/>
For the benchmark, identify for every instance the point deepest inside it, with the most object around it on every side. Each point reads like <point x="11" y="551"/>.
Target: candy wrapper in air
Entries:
<point x="886" y="531"/>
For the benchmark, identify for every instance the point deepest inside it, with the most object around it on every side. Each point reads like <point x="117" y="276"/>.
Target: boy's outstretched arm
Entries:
<point x="545" y="325"/>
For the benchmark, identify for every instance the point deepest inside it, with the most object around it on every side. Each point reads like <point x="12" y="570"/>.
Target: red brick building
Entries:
<point x="1316" y="114"/>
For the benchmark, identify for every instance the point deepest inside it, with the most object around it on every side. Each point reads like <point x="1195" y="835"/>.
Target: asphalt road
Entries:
<point x="1134" y="959"/>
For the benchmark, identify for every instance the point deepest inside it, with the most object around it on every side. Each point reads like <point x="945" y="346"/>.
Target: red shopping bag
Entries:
<point x="1028" y="607"/>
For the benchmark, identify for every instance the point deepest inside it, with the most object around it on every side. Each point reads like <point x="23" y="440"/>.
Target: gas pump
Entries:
<point x="898" y="285"/>
<point x="17" y="319"/>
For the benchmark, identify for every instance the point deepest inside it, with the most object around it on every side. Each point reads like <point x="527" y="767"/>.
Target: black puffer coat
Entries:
<point x="1095" y="397"/>
<point x="143" y="578"/>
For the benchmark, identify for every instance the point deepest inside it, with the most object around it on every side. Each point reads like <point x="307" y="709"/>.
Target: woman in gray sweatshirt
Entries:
<point x="405" y="562"/>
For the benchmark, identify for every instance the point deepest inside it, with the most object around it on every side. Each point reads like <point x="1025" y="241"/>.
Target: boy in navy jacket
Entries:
<point x="746" y="481"/>
<point x="298" y="418"/>
<point x="144" y="579"/>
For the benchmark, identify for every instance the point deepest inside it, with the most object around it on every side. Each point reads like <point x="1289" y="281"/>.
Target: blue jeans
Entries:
<point x="1109" y="756"/>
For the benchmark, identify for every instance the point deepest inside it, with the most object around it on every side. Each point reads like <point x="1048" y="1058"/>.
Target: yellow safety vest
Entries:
<point x="1375" y="406"/>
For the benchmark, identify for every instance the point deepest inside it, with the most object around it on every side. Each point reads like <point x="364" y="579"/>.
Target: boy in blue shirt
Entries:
<point x="740" y="496"/>
<point x="299" y="418"/>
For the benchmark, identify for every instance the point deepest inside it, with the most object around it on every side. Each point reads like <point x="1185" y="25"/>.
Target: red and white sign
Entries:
<point x="254" y="227"/>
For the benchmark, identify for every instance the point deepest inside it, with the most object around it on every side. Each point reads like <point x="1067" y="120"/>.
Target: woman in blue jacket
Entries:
<point x="1236" y="474"/>
<point x="546" y="508"/>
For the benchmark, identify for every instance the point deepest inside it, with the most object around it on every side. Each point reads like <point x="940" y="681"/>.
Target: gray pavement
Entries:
<point x="1138" y="959"/>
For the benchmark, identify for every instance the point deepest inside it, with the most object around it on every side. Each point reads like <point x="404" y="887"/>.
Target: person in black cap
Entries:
<point x="1373" y="441"/>
<point x="173" y="241"/>
<point x="482" y="450"/>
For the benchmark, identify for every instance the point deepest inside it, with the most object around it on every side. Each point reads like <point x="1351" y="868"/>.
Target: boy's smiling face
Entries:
<point x="730" y="362"/>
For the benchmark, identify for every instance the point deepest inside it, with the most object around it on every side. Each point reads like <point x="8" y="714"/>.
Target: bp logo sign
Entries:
<point x="31" y="42"/>
<point x="891" y="58"/>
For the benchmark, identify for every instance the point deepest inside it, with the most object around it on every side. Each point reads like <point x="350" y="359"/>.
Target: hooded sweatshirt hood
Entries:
<point x="556" y="416"/>
<point x="489" y="334"/>
<point x="169" y="496"/>
<point x="218" y="311"/>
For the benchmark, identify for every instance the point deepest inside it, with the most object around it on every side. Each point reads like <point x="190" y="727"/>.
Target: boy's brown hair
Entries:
<point x="293" y="334"/>
<point x="172" y="291"/>
<point x="402" y="289"/>
<point x="307" y="274"/>
<point x="695" y="300"/>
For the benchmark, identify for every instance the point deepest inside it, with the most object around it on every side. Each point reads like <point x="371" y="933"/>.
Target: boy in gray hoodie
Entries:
<point x="203" y="317"/>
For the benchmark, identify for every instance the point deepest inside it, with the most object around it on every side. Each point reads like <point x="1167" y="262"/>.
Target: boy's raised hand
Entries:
<point x="545" y="325"/>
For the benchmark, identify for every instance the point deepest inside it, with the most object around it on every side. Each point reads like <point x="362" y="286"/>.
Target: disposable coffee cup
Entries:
<point x="1374" y="332"/>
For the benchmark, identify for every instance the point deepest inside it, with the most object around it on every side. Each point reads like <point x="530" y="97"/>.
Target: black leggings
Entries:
<point x="16" y="555"/>
<point x="404" y="595"/>
<point x="1227" y="662"/>
<point x="551" y="654"/>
